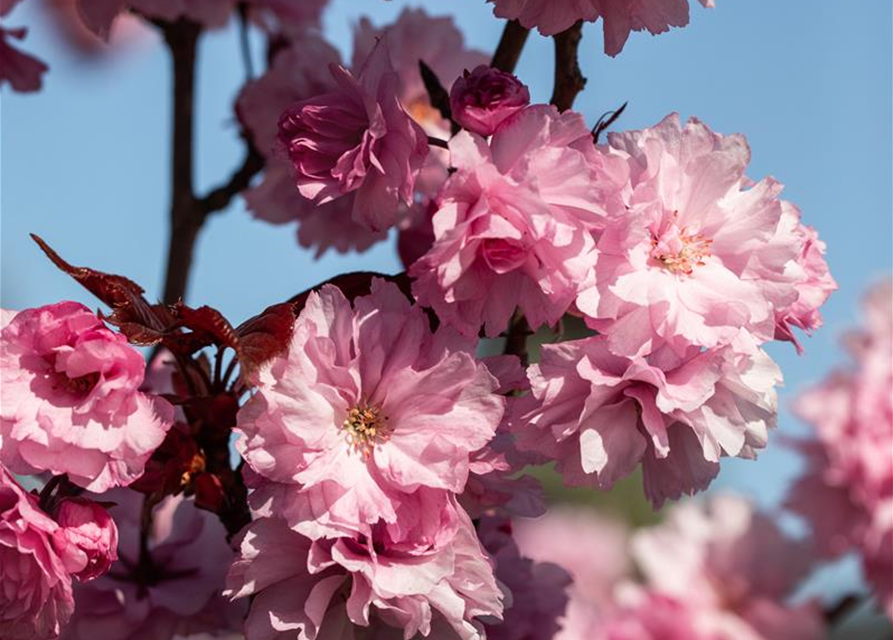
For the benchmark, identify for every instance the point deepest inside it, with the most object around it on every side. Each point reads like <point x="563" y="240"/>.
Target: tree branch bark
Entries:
<point x="510" y="46"/>
<point x="569" y="80"/>
<point x="186" y="218"/>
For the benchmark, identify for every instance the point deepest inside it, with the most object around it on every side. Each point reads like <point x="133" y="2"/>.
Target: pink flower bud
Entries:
<point x="483" y="99"/>
<point x="88" y="527"/>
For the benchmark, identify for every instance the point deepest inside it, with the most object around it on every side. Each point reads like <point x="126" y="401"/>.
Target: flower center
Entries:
<point x="423" y="113"/>
<point x="83" y="385"/>
<point x="365" y="427"/>
<point x="678" y="250"/>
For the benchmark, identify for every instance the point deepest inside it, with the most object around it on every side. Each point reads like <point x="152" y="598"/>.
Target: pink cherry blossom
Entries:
<point x="357" y="139"/>
<point x="308" y="589"/>
<point x="22" y="71"/>
<point x="71" y="401"/>
<point x="620" y="17"/>
<point x="298" y="72"/>
<point x="698" y="254"/>
<point x="482" y="99"/>
<point x="368" y="419"/>
<point x="35" y="567"/>
<point x="496" y="483"/>
<point x="537" y="590"/>
<point x="814" y="283"/>
<point x="733" y="566"/>
<point x="88" y="528"/>
<point x="174" y="590"/>
<point x="846" y="493"/>
<point x="514" y="224"/>
<point x="600" y="415"/>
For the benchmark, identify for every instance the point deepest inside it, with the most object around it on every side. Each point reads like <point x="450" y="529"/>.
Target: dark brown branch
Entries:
<point x="510" y="46"/>
<point x="843" y="609"/>
<point x="437" y="94"/>
<point x="569" y="80"/>
<point x="516" y="338"/>
<point x="220" y="197"/>
<point x="437" y="142"/>
<point x="186" y="218"/>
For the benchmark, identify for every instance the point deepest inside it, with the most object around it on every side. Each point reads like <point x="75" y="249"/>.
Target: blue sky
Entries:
<point x="84" y="162"/>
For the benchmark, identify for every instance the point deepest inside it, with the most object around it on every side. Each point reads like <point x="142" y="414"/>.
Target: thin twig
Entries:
<point x="842" y="610"/>
<point x="437" y="142"/>
<point x="245" y="41"/>
<point x="508" y="51"/>
<point x="569" y="80"/>
<point x="219" y="198"/>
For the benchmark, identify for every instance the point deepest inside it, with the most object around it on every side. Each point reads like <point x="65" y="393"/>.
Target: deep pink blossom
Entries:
<point x="35" y="567"/>
<point x="620" y="16"/>
<point x="367" y="419"/>
<point x="298" y="72"/>
<point x="22" y="71"/>
<point x="536" y="591"/>
<point x="483" y="99"/>
<point x="89" y="529"/>
<point x="734" y="567"/>
<point x="288" y="17"/>
<point x="514" y="224"/>
<point x="699" y="253"/>
<point x="357" y="139"/>
<point x="415" y="36"/>
<point x="174" y="590"/>
<point x="599" y="415"/>
<point x="416" y="234"/>
<point x="846" y="493"/>
<point x="304" y="589"/>
<point x="98" y="15"/>
<point x="71" y="401"/>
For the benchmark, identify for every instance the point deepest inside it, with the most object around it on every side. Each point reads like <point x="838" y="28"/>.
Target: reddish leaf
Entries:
<point x="353" y="285"/>
<point x="169" y="464"/>
<point x="207" y="324"/>
<point x="217" y="412"/>
<point x="265" y="335"/>
<point x="208" y="492"/>
<point x="142" y="323"/>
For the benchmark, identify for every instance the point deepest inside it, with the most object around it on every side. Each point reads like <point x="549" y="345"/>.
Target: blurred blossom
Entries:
<point x="846" y="494"/>
<point x="22" y="71"/>
<point x="172" y="589"/>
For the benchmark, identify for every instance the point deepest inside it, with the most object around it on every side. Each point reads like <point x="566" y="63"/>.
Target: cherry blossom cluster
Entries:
<point x="846" y="493"/>
<point x="717" y="569"/>
<point x="383" y="423"/>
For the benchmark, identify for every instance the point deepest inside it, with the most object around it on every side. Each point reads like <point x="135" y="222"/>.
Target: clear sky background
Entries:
<point x="84" y="163"/>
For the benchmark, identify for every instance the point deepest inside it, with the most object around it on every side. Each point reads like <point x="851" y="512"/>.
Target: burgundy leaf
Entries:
<point x="265" y="335"/>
